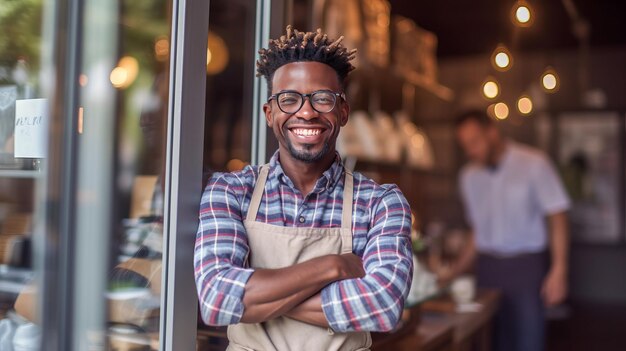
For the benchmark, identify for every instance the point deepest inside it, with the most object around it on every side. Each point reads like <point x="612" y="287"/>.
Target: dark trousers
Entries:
<point x="520" y="323"/>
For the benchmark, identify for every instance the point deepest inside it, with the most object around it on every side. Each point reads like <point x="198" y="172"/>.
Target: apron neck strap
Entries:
<point x="259" y="189"/>
<point x="348" y="191"/>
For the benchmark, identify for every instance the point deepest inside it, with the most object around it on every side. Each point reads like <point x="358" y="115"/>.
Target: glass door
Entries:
<point x="120" y="162"/>
<point x="138" y="172"/>
<point x="93" y="188"/>
<point x="25" y="79"/>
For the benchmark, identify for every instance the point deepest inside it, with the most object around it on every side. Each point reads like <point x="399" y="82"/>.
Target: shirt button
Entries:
<point x="301" y="219"/>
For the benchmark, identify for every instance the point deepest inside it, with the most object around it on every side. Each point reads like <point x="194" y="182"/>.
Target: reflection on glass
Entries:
<point x="136" y="82"/>
<point x="21" y="147"/>
<point x="228" y="124"/>
<point x="230" y="74"/>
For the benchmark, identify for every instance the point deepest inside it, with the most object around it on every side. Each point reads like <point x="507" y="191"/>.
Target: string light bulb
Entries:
<point x="550" y="80"/>
<point x="501" y="110"/>
<point x="125" y="73"/>
<point x="525" y="105"/>
<point x="491" y="88"/>
<point x="522" y="14"/>
<point x="501" y="58"/>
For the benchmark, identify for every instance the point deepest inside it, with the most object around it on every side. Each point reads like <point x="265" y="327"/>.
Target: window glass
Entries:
<point x="23" y="138"/>
<point x="120" y="163"/>
<point x="228" y="124"/>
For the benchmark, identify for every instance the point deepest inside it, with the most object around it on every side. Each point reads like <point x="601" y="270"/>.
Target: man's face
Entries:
<point x="476" y="141"/>
<point x="306" y="135"/>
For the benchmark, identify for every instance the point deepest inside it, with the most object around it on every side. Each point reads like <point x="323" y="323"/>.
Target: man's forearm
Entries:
<point x="310" y="311"/>
<point x="273" y="292"/>
<point x="559" y="242"/>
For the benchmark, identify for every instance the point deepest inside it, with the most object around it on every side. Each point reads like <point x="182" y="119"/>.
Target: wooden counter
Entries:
<point x="428" y="336"/>
<point x="472" y="330"/>
<point x="442" y="328"/>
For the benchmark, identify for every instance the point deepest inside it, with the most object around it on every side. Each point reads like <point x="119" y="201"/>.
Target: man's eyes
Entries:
<point x="325" y="99"/>
<point x="322" y="99"/>
<point x="289" y="100"/>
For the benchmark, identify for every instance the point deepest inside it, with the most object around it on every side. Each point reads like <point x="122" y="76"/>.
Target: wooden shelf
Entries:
<point x="18" y="173"/>
<point x="401" y="76"/>
<point x="414" y="78"/>
<point x="371" y="165"/>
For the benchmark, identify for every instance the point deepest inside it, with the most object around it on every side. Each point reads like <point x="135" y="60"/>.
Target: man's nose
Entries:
<point x="307" y="111"/>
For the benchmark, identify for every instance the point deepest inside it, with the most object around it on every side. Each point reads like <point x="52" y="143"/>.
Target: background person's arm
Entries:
<point x="554" y="289"/>
<point x="463" y="264"/>
<point x="554" y="202"/>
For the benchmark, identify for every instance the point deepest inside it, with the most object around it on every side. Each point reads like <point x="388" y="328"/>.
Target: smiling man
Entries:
<point x="301" y="254"/>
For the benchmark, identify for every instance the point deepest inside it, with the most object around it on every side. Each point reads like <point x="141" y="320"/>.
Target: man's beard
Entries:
<point x="306" y="155"/>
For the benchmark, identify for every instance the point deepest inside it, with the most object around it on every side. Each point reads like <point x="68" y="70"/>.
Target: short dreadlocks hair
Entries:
<point x="298" y="46"/>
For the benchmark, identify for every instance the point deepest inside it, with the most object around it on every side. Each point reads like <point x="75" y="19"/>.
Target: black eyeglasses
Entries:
<point x="322" y="101"/>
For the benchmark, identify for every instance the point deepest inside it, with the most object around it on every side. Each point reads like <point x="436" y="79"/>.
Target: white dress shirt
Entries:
<point x="506" y="205"/>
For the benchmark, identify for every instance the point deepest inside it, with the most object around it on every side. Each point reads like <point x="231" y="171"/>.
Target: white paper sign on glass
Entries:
<point x="31" y="128"/>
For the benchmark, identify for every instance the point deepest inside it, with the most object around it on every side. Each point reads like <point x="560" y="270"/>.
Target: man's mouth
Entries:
<point x="306" y="132"/>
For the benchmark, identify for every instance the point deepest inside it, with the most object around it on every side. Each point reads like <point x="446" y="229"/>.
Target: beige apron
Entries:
<point x="274" y="247"/>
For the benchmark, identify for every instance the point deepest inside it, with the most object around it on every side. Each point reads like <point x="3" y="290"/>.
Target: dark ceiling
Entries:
<point x="466" y="27"/>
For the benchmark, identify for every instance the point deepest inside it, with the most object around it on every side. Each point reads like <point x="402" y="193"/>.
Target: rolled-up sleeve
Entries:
<point x="548" y="188"/>
<point x="221" y="251"/>
<point x="375" y="302"/>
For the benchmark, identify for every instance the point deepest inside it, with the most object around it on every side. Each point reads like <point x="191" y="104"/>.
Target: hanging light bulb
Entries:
<point x="522" y="14"/>
<point x="491" y="89"/>
<point x="550" y="80"/>
<point x="501" y="110"/>
<point x="217" y="54"/>
<point x="501" y="58"/>
<point x="525" y="105"/>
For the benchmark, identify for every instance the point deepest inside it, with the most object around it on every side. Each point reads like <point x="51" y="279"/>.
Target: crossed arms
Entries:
<point x="294" y="291"/>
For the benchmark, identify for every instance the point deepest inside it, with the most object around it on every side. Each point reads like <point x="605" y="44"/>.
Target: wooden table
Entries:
<point x="428" y="336"/>
<point x="442" y="328"/>
<point x="472" y="330"/>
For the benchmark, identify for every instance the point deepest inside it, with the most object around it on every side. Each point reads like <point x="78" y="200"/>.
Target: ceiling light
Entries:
<point x="491" y="89"/>
<point x="550" y="80"/>
<point x="217" y="54"/>
<point x="501" y="58"/>
<point x="525" y="105"/>
<point x="501" y="110"/>
<point x="522" y="14"/>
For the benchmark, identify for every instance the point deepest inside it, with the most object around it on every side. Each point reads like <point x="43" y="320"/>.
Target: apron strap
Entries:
<point x="257" y="194"/>
<point x="348" y="196"/>
<point x="348" y="190"/>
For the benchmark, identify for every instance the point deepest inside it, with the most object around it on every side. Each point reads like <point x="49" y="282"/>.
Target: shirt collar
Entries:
<point x="327" y="181"/>
<point x="506" y="156"/>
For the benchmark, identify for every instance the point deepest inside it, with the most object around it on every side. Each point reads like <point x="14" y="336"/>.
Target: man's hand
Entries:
<point x="350" y="266"/>
<point x="554" y="289"/>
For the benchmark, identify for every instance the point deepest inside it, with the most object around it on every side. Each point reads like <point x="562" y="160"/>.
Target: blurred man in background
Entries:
<point x="509" y="192"/>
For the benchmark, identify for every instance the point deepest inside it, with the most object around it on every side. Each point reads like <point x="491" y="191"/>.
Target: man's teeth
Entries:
<point x="306" y="132"/>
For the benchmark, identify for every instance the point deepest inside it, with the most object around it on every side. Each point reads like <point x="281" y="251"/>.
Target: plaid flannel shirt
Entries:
<point x="381" y="237"/>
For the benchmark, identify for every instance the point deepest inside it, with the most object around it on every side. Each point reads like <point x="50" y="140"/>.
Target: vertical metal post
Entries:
<point x="95" y="173"/>
<point x="183" y="178"/>
<point x="54" y="230"/>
